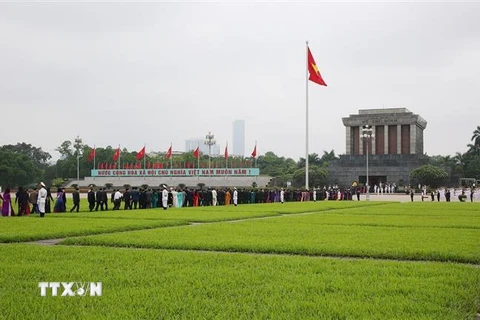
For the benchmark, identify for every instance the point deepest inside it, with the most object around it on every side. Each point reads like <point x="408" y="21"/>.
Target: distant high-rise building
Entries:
<point x="192" y="144"/>
<point x="238" y="138"/>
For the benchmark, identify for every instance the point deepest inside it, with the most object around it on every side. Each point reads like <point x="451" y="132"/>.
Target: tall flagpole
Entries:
<point x="306" y="118"/>
<point x="119" y="156"/>
<point x="256" y="153"/>
<point x="144" y="161"/>
<point x="198" y="158"/>
<point x="171" y="163"/>
<point x="94" y="156"/>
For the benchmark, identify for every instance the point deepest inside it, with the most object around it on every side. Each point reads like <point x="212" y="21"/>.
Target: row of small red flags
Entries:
<point x="160" y="165"/>
<point x="141" y="154"/>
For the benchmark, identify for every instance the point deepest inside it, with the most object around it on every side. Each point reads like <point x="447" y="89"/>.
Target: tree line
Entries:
<point x="24" y="165"/>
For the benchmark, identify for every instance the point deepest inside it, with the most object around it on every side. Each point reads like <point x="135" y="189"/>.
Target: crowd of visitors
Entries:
<point x="40" y="200"/>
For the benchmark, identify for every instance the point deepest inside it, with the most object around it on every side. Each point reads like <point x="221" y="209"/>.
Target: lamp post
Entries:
<point x="209" y="141"/>
<point x="78" y="146"/>
<point x="367" y="135"/>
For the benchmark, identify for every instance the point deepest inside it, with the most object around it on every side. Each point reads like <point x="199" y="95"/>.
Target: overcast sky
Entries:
<point x="155" y="73"/>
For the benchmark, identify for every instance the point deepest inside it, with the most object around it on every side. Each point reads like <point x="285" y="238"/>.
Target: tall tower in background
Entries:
<point x="239" y="138"/>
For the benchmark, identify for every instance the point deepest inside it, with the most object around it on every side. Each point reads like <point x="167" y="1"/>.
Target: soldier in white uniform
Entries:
<point x="165" y="197"/>
<point x="42" y="199"/>
<point x="214" y="197"/>
<point x="235" y="196"/>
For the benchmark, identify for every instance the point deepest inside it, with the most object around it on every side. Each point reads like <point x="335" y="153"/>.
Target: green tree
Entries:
<point x="37" y="155"/>
<point x="428" y="175"/>
<point x="17" y="169"/>
<point x="476" y="136"/>
<point x="65" y="149"/>
<point x="272" y="165"/>
<point x="328" y="157"/>
<point x="316" y="175"/>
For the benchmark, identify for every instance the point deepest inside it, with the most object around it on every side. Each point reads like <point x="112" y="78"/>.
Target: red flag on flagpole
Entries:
<point x="141" y="154"/>
<point x="254" y="152"/>
<point x="315" y="75"/>
<point x="169" y="152"/>
<point x="226" y="151"/>
<point x="116" y="155"/>
<point x="92" y="155"/>
<point x="196" y="153"/>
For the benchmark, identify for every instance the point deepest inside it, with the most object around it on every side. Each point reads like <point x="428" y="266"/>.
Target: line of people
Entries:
<point x="26" y="201"/>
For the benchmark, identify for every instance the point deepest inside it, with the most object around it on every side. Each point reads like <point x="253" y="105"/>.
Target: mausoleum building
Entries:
<point x="395" y="148"/>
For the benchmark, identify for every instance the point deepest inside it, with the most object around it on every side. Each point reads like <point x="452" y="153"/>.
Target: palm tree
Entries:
<point x="459" y="160"/>
<point x="473" y="148"/>
<point x="476" y="137"/>
<point x="329" y="156"/>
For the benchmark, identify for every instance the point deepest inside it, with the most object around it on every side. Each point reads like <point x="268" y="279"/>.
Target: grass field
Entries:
<point x="323" y="260"/>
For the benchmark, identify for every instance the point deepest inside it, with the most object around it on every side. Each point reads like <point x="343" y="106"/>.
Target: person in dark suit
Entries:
<point x="76" y="200"/>
<point x="91" y="199"/>
<point x="105" y="198"/>
<point x="135" y="197"/>
<point x="127" y="198"/>
<point x="99" y="198"/>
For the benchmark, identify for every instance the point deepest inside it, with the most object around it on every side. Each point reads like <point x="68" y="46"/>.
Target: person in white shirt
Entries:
<point x="117" y="200"/>
<point x="235" y="196"/>
<point x="165" y="197"/>
<point x="314" y="195"/>
<point x="282" y="195"/>
<point x="42" y="199"/>
<point x="214" y="197"/>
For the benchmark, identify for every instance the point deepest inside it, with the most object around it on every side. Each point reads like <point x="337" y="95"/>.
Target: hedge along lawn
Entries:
<point x="34" y="228"/>
<point x="220" y="213"/>
<point x="156" y="284"/>
<point x="59" y="225"/>
<point x="184" y="214"/>
<point x="454" y="209"/>
<point x="292" y="235"/>
<point x="419" y="221"/>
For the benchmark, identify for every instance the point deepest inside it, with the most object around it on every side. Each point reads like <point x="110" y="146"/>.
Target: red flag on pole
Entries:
<point x="226" y="151"/>
<point x="92" y="155"/>
<point x="254" y="152"/>
<point x="315" y="75"/>
<point x="141" y="154"/>
<point x="196" y="153"/>
<point x="169" y="152"/>
<point x="116" y="155"/>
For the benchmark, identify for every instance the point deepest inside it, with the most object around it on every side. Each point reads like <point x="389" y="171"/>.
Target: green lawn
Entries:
<point x="220" y="213"/>
<point x="268" y="265"/>
<point x="35" y="228"/>
<point x="155" y="284"/>
<point x="286" y="235"/>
